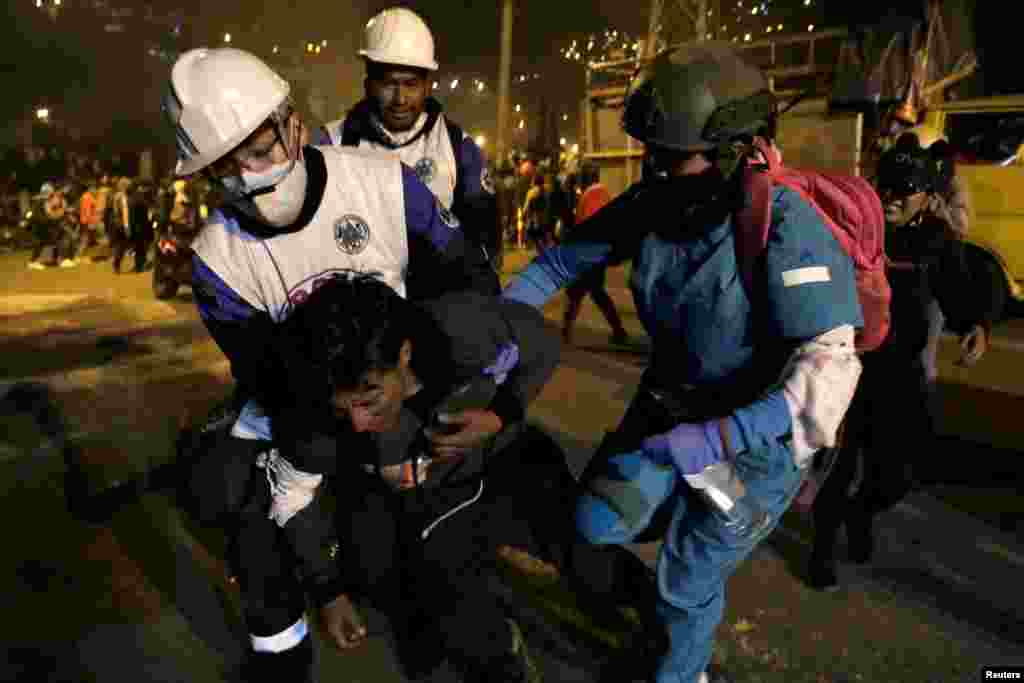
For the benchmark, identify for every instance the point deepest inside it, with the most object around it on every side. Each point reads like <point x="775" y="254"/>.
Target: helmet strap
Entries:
<point x="731" y="157"/>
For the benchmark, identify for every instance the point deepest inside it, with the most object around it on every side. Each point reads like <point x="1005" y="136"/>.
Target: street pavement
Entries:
<point x="142" y="598"/>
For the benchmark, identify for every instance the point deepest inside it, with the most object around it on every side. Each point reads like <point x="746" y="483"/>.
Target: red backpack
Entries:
<point x="851" y="209"/>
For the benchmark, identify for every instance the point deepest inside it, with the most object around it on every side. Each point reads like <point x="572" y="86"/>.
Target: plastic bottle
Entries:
<point x="724" y="491"/>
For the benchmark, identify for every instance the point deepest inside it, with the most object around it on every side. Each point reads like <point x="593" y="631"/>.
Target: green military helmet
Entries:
<point x="698" y="97"/>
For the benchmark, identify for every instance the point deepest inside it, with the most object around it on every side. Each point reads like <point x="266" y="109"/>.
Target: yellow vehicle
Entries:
<point x="988" y="138"/>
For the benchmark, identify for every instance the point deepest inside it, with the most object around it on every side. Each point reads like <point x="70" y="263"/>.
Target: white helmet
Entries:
<point x="217" y="98"/>
<point x="46" y="190"/>
<point x="398" y="36"/>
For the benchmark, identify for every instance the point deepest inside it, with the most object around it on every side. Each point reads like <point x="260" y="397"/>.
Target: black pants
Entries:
<point x="139" y="240"/>
<point x="434" y="587"/>
<point x="593" y="284"/>
<point x="69" y="239"/>
<point x="888" y="428"/>
<point x="47" y="235"/>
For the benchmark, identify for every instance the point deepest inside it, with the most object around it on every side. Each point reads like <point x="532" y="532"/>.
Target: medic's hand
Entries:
<point x="341" y="623"/>
<point x="973" y="346"/>
<point x="690" y="447"/>
<point x="461" y="432"/>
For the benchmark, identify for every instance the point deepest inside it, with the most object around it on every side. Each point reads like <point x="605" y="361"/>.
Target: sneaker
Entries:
<point x="860" y="543"/>
<point x="714" y="675"/>
<point x="36" y="265"/>
<point x="68" y="263"/>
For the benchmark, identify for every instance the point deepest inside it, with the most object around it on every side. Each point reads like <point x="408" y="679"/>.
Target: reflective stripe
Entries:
<point x="803" y="276"/>
<point x="285" y="640"/>
<point x="252" y="423"/>
<point x="461" y="506"/>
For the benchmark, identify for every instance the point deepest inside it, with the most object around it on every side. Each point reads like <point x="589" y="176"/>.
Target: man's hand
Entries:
<point x="463" y="431"/>
<point x="973" y="346"/>
<point x="691" y="447"/>
<point x="341" y="623"/>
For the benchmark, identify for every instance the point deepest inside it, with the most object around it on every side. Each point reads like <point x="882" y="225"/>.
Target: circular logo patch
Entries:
<point x="425" y="169"/>
<point x="486" y="180"/>
<point x="447" y="217"/>
<point x="351" y="233"/>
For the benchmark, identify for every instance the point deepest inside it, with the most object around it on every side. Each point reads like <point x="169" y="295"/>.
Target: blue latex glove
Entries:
<point x="507" y="360"/>
<point x="691" y="447"/>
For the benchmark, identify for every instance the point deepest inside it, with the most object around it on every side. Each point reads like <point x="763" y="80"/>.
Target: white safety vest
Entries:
<point x="431" y="156"/>
<point x="360" y="226"/>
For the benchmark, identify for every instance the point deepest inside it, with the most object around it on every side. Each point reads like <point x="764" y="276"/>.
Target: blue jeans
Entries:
<point x="699" y="552"/>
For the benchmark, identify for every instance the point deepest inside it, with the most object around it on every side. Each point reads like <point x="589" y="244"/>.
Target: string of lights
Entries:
<point x="604" y="47"/>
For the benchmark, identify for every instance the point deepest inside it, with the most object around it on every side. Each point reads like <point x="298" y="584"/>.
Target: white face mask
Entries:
<point x="281" y="205"/>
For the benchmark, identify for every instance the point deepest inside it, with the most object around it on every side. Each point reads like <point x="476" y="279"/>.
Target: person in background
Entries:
<point x="538" y="214"/>
<point x="89" y="217"/>
<point x="120" y="228"/>
<point x="952" y="204"/>
<point x="593" y="199"/>
<point x="70" y="232"/>
<point x="398" y="116"/>
<point x="889" y="430"/>
<point x="47" y="215"/>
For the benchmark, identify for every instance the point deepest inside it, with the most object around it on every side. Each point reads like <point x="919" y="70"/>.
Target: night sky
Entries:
<point x="106" y="82"/>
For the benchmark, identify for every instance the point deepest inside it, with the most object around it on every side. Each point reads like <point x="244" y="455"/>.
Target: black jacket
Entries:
<point x="462" y="334"/>
<point x="929" y="262"/>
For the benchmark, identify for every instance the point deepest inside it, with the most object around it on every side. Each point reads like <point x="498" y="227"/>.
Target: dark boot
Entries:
<point x="295" y="665"/>
<point x="515" y="666"/>
<point x="860" y="539"/>
<point x="821" y="570"/>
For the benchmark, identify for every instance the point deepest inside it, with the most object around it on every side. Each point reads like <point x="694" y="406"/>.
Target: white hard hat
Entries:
<point x="398" y="36"/>
<point x="217" y="98"/>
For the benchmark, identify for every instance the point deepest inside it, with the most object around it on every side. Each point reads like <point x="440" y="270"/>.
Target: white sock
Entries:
<point x="703" y="678"/>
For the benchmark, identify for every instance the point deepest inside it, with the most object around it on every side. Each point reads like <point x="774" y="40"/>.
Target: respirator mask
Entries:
<point x="273" y="196"/>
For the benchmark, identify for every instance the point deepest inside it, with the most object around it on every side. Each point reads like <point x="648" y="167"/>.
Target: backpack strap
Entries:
<point x="350" y="133"/>
<point x="752" y="222"/>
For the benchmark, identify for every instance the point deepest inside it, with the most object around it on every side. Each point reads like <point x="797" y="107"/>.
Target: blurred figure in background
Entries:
<point x="889" y="428"/>
<point x="594" y="197"/>
<point x="538" y="218"/>
<point x="70" y="229"/>
<point x="119" y="229"/>
<point x="47" y="214"/>
<point x="89" y="218"/>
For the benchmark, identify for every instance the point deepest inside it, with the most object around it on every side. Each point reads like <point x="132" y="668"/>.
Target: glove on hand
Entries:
<point x="508" y="358"/>
<point x="690" y="447"/>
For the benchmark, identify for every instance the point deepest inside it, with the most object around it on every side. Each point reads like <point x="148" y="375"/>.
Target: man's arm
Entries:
<point x="247" y="337"/>
<point x="476" y="203"/>
<point x="483" y="331"/>
<point x="610" y="236"/>
<point x="243" y="332"/>
<point x="441" y="259"/>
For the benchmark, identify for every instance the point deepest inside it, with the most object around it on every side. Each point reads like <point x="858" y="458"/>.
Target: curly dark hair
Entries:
<point x="349" y="326"/>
